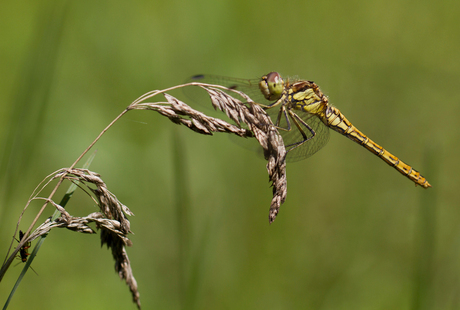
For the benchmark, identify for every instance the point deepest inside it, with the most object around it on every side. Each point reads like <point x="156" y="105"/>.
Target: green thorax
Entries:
<point x="306" y="96"/>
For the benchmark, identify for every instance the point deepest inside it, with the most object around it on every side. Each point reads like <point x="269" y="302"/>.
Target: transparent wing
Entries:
<point x="251" y="88"/>
<point x="294" y="136"/>
<point x="248" y="86"/>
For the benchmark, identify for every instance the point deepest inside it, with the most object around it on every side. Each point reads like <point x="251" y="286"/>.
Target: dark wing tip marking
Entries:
<point x="198" y="77"/>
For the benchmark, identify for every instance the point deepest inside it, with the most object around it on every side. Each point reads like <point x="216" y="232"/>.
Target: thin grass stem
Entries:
<point x="56" y="214"/>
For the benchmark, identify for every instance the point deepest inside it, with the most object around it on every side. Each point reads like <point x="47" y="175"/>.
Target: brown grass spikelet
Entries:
<point x="250" y="120"/>
<point x="112" y="222"/>
<point x="251" y="114"/>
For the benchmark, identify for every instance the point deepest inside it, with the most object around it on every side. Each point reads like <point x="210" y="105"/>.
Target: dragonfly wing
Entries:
<point x="294" y="136"/>
<point x="248" y="86"/>
<point x="251" y="88"/>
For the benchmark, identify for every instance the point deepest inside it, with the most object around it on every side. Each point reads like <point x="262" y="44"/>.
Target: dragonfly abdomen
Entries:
<point x="334" y="119"/>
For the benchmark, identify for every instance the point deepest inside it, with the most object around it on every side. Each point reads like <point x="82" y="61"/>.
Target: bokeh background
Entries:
<point x="353" y="233"/>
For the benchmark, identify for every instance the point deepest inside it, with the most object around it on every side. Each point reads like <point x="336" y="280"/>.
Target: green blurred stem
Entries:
<point x="182" y="204"/>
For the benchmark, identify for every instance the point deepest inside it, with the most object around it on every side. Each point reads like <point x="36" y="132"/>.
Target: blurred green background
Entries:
<point x="353" y="233"/>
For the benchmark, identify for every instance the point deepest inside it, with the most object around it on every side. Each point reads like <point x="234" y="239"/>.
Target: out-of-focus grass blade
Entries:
<point x="31" y="100"/>
<point x="426" y="234"/>
<point x="182" y="206"/>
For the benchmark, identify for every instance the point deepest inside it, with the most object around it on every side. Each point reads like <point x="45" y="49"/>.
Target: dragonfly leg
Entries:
<point x="271" y="105"/>
<point x="297" y="122"/>
<point x="286" y="118"/>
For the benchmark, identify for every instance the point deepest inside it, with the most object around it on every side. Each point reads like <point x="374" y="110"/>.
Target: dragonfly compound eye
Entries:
<point x="272" y="86"/>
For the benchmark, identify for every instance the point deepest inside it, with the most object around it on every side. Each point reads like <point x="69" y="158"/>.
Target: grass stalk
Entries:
<point x="55" y="215"/>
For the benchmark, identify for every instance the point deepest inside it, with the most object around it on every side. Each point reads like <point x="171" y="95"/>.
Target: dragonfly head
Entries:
<point x="272" y="86"/>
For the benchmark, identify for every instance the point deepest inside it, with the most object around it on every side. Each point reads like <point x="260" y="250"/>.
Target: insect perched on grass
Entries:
<point x="24" y="251"/>
<point x="303" y="115"/>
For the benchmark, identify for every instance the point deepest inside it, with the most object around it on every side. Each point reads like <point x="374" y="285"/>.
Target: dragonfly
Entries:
<point x="303" y="116"/>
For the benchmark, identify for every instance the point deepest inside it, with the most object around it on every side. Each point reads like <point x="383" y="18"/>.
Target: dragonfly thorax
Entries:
<point x="306" y="96"/>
